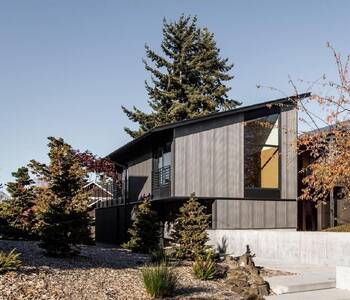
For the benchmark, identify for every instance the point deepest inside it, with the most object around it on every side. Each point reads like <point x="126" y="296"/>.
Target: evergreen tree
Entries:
<point x="19" y="209"/>
<point x="144" y="232"/>
<point x="61" y="206"/>
<point x="188" y="82"/>
<point x="190" y="230"/>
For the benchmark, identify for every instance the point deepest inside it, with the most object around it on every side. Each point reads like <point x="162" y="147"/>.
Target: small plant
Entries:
<point x="10" y="261"/>
<point x="159" y="256"/>
<point x="204" y="268"/>
<point x="159" y="280"/>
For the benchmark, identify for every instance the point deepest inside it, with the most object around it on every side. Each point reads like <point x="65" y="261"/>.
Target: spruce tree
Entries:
<point x="188" y="81"/>
<point x="61" y="206"/>
<point x="190" y="230"/>
<point x="19" y="213"/>
<point x="144" y="232"/>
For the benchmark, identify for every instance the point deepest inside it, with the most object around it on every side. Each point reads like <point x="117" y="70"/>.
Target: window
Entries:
<point x="261" y="157"/>
<point x="162" y="164"/>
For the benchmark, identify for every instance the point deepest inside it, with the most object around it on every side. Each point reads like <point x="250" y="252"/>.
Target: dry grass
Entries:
<point x="340" y="228"/>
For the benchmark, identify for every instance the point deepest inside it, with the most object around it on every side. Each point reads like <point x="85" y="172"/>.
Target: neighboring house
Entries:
<point x="334" y="212"/>
<point x="101" y="194"/>
<point x="241" y="163"/>
<point x="98" y="193"/>
<point x="3" y="196"/>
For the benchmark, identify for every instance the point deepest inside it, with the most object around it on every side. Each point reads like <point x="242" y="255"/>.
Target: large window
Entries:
<point x="261" y="157"/>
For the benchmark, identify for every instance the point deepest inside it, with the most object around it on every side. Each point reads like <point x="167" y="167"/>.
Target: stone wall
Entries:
<point x="324" y="248"/>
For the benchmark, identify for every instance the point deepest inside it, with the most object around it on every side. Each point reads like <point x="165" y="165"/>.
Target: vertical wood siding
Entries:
<point x="258" y="214"/>
<point x="140" y="178"/>
<point x="209" y="159"/>
<point x="289" y="161"/>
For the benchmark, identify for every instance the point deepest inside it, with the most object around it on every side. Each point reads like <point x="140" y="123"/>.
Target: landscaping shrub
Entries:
<point x="190" y="230"/>
<point x="16" y="214"/>
<point x="159" y="280"/>
<point x="62" y="220"/>
<point x="144" y="232"/>
<point x="204" y="267"/>
<point x="10" y="261"/>
<point x="159" y="256"/>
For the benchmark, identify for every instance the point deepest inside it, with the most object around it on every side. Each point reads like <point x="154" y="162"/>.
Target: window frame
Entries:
<point x="260" y="192"/>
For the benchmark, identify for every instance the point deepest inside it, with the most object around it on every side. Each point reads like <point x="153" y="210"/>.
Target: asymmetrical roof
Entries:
<point x="118" y="154"/>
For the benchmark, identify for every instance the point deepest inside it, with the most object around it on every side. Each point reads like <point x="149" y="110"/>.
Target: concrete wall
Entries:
<point x="325" y="248"/>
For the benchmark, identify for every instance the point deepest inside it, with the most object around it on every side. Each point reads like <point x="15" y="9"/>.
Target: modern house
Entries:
<point x="241" y="163"/>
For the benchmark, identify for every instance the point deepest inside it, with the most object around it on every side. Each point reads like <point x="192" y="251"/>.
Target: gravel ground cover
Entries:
<point x="100" y="272"/>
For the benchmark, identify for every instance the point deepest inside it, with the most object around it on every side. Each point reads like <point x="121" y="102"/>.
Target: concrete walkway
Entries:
<point x="329" y="294"/>
<point x="309" y="281"/>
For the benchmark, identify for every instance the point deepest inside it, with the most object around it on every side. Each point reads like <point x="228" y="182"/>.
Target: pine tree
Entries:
<point x="190" y="230"/>
<point x="19" y="213"/>
<point x="144" y="232"/>
<point x="188" y="82"/>
<point x="61" y="206"/>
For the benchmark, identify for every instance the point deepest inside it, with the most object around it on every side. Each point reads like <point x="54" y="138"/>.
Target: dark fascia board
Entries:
<point x="287" y="100"/>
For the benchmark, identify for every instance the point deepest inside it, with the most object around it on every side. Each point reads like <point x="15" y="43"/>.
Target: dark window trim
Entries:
<point x="265" y="193"/>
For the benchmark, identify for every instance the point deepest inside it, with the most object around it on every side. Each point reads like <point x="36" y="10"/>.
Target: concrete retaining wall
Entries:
<point x="343" y="278"/>
<point x="325" y="248"/>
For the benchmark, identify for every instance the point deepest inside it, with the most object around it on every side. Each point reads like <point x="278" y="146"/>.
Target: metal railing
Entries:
<point x="161" y="182"/>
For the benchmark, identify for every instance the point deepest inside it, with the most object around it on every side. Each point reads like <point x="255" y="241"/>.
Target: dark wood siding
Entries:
<point x="258" y="214"/>
<point x="208" y="159"/>
<point x="289" y="159"/>
<point x="140" y="177"/>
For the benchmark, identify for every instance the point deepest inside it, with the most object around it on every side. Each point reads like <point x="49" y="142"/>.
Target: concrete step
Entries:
<point x="301" y="283"/>
<point x="328" y="294"/>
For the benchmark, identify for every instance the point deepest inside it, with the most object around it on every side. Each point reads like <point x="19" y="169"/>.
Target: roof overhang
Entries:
<point x="133" y="147"/>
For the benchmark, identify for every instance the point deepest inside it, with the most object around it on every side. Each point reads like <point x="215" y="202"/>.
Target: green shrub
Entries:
<point x="159" y="280"/>
<point x="10" y="261"/>
<point x="190" y="230"/>
<point x="144" y="232"/>
<point x="159" y="256"/>
<point x="204" y="268"/>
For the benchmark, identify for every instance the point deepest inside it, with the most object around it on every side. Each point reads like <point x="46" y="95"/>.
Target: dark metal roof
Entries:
<point x="161" y="129"/>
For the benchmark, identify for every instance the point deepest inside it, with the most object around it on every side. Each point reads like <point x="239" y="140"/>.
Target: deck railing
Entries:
<point x="161" y="182"/>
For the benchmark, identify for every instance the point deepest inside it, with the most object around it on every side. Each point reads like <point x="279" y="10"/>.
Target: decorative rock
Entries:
<point x="244" y="277"/>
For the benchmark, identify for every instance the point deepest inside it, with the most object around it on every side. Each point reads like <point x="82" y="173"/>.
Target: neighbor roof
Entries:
<point x="4" y="196"/>
<point x="160" y="129"/>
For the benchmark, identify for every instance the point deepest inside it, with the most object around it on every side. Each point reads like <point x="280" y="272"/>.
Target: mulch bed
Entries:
<point x="100" y="272"/>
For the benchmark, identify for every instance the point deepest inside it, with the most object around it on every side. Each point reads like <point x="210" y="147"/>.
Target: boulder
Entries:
<point x="244" y="277"/>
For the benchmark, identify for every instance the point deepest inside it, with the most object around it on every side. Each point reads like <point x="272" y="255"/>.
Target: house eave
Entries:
<point x="120" y="152"/>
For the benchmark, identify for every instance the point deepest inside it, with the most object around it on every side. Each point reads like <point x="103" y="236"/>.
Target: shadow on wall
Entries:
<point x="137" y="187"/>
<point x="222" y="246"/>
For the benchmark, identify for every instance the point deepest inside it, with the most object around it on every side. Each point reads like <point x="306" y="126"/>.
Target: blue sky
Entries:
<point x="66" y="67"/>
